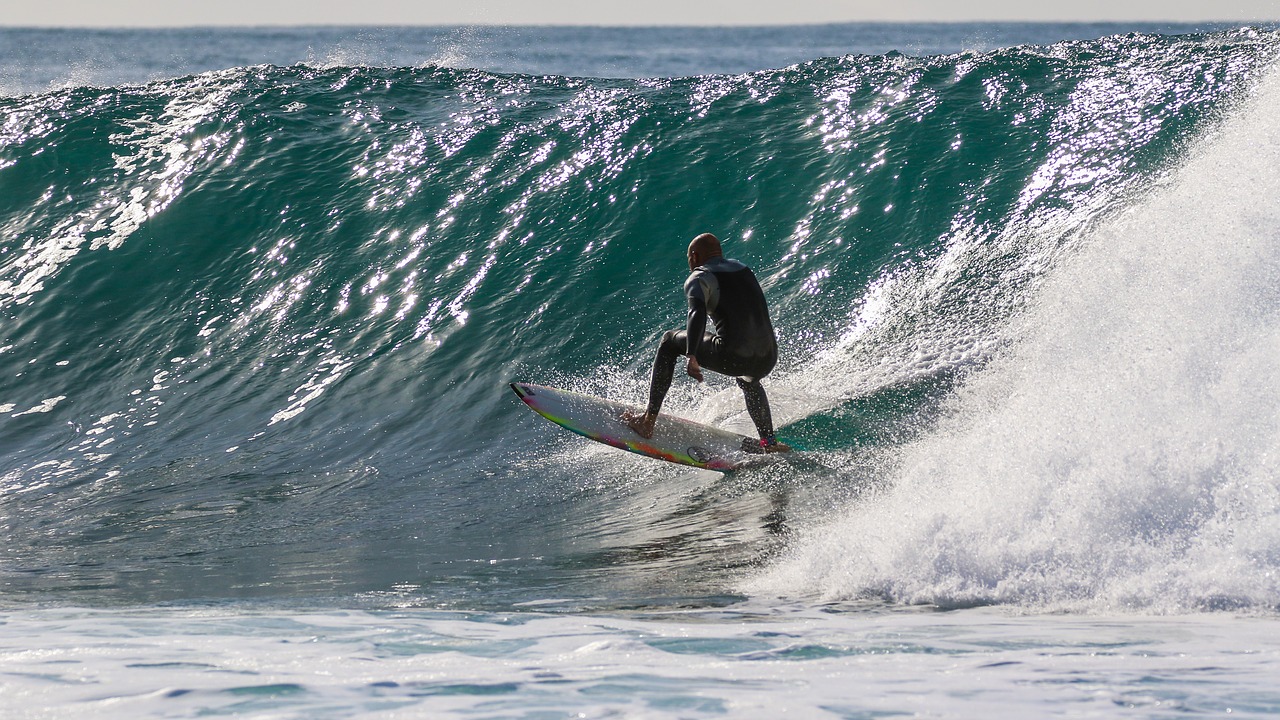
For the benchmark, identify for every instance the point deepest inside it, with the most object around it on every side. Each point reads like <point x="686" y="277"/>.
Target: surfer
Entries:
<point x="743" y="345"/>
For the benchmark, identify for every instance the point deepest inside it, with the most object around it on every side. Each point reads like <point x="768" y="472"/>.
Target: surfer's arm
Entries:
<point x="696" y="324"/>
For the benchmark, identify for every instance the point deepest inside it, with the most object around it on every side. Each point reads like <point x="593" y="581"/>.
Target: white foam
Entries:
<point x="167" y="662"/>
<point x="1122" y="451"/>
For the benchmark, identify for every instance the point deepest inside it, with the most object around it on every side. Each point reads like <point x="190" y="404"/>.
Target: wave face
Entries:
<point x="257" y="326"/>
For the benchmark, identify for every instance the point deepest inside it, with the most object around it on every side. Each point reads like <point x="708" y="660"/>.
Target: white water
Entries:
<point x="769" y="662"/>
<point x="1122" y="451"/>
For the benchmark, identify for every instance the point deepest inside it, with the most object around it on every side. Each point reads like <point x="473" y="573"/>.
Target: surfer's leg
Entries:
<point x="670" y="349"/>
<point x="713" y="355"/>
<point x="664" y="368"/>
<point x="757" y="405"/>
<point x="673" y="345"/>
<point x="758" y="402"/>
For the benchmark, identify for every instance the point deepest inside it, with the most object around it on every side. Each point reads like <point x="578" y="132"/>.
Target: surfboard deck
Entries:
<point x="674" y="439"/>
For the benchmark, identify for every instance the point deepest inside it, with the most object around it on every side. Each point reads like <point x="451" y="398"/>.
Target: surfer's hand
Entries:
<point x="694" y="369"/>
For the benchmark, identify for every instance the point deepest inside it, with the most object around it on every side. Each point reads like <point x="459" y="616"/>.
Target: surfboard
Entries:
<point x="674" y="439"/>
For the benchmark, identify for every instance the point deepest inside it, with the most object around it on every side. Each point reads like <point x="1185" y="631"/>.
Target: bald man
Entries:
<point x="743" y="345"/>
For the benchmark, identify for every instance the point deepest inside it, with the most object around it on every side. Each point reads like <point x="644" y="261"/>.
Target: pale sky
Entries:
<point x="151" y="13"/>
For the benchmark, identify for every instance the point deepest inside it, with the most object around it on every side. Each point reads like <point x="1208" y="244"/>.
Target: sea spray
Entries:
<point x="1119" y="451"/>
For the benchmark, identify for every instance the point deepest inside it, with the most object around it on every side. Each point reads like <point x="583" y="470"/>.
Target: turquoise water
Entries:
<point x="257" y="325"/>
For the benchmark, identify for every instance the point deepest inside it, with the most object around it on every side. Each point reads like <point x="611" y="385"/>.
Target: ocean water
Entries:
<point x="262" y="291"/>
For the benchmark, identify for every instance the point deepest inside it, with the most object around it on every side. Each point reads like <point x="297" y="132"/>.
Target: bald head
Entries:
<point x="703" y="248"/>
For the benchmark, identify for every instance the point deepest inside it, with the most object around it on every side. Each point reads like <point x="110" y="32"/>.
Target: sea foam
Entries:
<point x="1121" y="451"/>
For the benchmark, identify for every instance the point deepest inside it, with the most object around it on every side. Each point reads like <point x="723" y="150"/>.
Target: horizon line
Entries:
<point x="638" y="26"/>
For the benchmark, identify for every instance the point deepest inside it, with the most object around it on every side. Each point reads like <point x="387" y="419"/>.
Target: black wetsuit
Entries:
<point x="742" y="346"/>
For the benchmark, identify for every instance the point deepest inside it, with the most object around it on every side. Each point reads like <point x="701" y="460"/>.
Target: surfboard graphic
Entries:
<point x="674" y="439"/>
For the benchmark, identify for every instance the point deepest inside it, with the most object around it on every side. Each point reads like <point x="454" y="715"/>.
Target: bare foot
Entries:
<point x="776" y="447"/>
<point x="641" y="423"/>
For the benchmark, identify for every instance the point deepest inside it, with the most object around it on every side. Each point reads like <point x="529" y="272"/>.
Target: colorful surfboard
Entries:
<point x="674" y="439"/>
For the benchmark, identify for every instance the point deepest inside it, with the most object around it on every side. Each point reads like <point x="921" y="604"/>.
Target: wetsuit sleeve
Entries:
<point x="696" y="324"/>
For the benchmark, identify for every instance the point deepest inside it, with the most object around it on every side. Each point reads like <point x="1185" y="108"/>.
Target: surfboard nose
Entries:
<point x="522" y="390"/>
